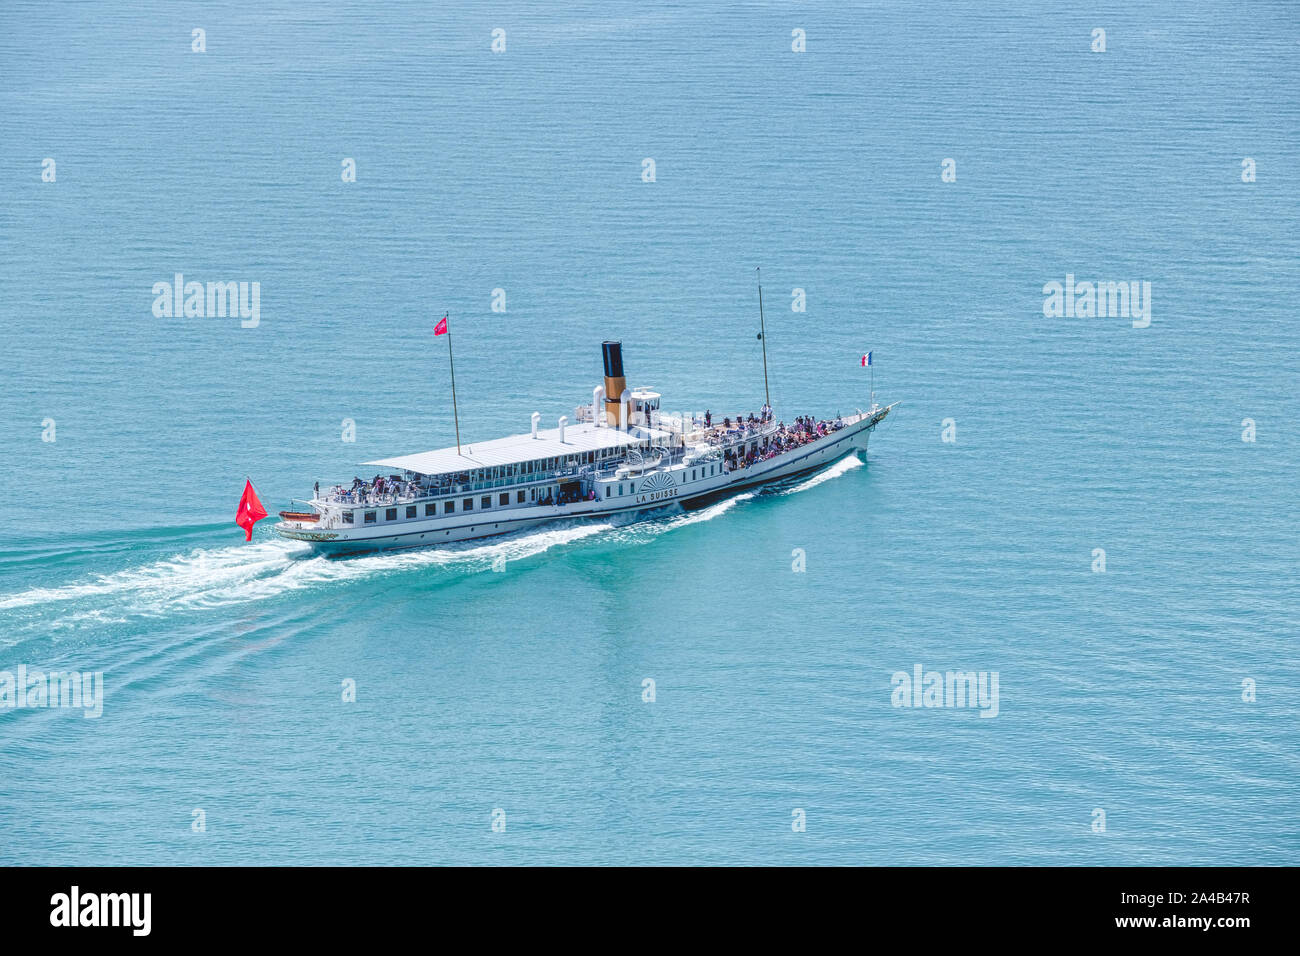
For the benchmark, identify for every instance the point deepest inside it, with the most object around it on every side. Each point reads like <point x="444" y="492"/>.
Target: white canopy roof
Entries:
<point x="516" y="448"/>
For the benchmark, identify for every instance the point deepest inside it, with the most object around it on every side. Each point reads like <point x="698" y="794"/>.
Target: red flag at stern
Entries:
<point x="250" y="510"/>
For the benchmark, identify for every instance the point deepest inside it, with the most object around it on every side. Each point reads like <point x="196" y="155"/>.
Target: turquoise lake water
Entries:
<point x="522" y="691"/>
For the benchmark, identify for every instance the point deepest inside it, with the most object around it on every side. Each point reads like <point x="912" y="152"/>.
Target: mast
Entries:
<point x="452" y="362"/>
<point x="762" y="337"/>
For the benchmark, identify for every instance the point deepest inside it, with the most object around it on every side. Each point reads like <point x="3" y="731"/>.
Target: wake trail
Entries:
<point x="206" y="578"/>
<point x="841" y="467"/>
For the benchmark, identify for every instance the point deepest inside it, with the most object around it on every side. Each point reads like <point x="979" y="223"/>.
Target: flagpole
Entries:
<point x="452" y="362"/>
<point x="762" y="335"/>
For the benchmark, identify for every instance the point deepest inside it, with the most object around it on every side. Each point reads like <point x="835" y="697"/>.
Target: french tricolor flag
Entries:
<point x="866" y="360"/>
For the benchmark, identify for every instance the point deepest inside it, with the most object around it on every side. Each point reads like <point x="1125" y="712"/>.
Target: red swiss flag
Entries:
<point x="441" y="327"/>
<point x="250" y="510"/>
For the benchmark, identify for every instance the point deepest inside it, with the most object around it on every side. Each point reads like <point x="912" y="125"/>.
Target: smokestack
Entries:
<point x="537" y="417"/>
<point x="615" y="383"/>
<point x="564" y="420"/>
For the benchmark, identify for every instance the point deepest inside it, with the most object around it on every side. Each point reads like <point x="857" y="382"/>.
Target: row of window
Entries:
<point x="431" y="509"/>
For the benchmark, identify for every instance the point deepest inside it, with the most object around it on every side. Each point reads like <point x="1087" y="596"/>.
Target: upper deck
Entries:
<point x="574" y="444"/>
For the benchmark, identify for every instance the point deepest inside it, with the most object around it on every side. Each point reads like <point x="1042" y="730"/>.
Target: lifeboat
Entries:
<point x="299" y="516"/>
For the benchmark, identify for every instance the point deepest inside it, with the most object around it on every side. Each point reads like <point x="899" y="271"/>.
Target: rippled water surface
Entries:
<point x="522" y="691"/>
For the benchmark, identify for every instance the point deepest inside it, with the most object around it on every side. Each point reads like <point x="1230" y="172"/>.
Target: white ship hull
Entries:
<point x="655" y="488"/>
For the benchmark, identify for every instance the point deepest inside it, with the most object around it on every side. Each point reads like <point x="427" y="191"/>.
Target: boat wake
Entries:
<point x="206" y="578"/>
<point x="218" y="577"/>
<point x="841" y="467"/>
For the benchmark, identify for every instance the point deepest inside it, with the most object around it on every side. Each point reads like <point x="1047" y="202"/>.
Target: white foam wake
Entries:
<point x="214" y="577"/>
<point x="843" y="466"/>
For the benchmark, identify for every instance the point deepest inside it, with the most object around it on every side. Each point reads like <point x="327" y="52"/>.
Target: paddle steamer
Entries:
<point x="620" y="454"/>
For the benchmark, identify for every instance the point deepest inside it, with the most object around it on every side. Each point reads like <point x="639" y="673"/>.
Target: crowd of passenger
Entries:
<point x="785" y="438"/>
<point x="380" y="489"/>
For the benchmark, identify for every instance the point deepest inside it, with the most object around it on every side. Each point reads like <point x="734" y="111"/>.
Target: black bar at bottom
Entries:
<point x="970" y="907"/>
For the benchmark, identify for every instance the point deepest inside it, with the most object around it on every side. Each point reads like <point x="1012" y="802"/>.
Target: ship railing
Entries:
<point x="383" y="498"/>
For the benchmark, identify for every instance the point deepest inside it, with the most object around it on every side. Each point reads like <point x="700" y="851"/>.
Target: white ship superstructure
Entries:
<point x="620" y="454"/>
